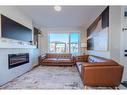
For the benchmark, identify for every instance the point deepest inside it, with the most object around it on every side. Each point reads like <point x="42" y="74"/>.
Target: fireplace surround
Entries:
<point x="18" y="59"/>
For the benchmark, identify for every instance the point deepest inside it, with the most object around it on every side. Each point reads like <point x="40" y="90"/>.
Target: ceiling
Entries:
<point x="69" y="17"/>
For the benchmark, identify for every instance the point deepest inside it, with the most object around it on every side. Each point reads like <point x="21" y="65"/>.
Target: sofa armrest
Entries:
<point x="101" y="73"/>
<point x="41" y="58"/>
<point x="81" y="58"/>
<point x="72" y="58"/>
<point x="93" y="64"/>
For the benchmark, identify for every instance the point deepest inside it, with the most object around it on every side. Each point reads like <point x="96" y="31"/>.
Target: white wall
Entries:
<point x="9" y="74"/>
<point x="115" y="32"/>
<point x="114" y="35"/>
<point x="83" y="39"/>
<point x="17" y="15"/>
<point x="43" y="41"/>
<point x="105" y="54"/>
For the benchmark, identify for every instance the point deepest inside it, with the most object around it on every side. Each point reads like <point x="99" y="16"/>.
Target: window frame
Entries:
<point x="67" y="32"/>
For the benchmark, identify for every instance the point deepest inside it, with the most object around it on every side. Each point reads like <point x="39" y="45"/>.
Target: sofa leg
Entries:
<point x="86" y="87"/>
<point x="117" y="88"/>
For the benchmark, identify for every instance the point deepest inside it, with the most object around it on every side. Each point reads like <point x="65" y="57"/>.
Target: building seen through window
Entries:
<point x="64" y="42"/>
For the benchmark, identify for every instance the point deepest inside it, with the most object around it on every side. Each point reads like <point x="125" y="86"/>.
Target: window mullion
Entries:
<point x="69" y="43"/>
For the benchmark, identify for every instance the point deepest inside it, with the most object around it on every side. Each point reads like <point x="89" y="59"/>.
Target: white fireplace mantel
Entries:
<point x="15" y="45"/>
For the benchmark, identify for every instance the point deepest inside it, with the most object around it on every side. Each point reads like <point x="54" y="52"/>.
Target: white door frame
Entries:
<point x="123" y="26"/>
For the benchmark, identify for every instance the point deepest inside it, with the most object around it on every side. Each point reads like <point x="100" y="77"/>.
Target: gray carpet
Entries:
<point x="50" y="77"/>
<point x="47" y="77"/>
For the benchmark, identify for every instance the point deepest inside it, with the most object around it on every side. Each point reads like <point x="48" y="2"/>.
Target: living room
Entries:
<point x="72" y="38"/>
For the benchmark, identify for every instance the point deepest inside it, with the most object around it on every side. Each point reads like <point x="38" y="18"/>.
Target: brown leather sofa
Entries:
<point x="56" y="59"/>
<point x="97" y="71"/>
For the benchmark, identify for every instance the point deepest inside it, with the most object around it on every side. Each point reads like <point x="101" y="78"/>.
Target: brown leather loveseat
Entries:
<point x="97" y="71"/>
<point x="56" y="59"/>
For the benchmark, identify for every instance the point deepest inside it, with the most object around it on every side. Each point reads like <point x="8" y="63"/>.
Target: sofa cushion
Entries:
<point x="57" y="59"/>
<point x="52" y="55"/>
<point x="65" y="56"/>
<point x="64" y="60"/>
<point x="50" y="60"/>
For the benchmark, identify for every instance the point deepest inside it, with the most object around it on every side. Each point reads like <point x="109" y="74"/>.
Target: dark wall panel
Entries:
<point x="13" y="30"/>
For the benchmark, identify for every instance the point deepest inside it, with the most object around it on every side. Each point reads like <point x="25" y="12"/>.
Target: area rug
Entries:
<point x="124" y="83"/>
<point x="47" y="77"/>
<point x="51" y="77"/>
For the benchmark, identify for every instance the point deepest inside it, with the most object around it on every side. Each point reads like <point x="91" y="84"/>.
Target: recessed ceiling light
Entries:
<point x="57" y="8"/>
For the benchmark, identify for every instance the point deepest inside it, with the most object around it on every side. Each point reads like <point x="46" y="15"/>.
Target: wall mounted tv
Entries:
<point x="13" y="30"/>
<point x="90" y="44"/>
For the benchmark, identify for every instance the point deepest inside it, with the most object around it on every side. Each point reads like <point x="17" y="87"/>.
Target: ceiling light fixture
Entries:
<point x="57" y="8"/>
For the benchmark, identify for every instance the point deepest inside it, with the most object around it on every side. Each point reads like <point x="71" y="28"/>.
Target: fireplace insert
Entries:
<point x="15" y="60"/>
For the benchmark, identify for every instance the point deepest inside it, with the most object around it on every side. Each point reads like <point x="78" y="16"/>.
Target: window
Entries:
<point x="74" y="38"/>
<point x="64" y="42"/>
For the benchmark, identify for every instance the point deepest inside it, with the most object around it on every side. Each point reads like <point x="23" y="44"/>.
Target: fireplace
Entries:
<point x="15" y="60"/>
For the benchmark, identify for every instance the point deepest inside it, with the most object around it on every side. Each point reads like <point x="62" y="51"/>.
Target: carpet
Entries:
<point x="47" y="77"/>
<point x="124" y="83"/>
<point x="51" y="77"/>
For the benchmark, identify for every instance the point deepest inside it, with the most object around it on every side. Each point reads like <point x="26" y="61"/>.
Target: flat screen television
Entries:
<point x="90" y="44"/>
<point x="13" y="30"/>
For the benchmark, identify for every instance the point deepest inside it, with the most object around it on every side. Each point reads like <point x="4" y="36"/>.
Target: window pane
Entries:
<point x="59" y="43"/>
<point x="74" y="39"/>
<point x="64" y="42"/>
